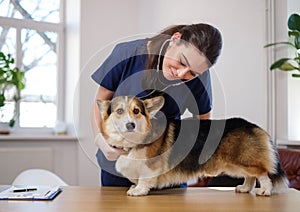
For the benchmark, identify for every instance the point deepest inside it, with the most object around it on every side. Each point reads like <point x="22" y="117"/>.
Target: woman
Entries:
<point x="175" y="63"/>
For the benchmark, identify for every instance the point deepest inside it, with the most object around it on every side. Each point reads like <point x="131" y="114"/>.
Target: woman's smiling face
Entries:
<point x="183" y="61"/>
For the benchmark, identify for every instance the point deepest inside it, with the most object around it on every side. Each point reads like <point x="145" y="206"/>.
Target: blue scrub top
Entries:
<point x="122" y="73"/>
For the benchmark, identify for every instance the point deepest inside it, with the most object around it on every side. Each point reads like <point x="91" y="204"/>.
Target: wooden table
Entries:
<point x="85" y="199"/>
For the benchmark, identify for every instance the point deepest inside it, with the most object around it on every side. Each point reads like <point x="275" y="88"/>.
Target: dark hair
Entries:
<point x="205" y="37"/>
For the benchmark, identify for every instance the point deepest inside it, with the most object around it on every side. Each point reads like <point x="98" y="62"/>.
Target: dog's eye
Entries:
<point x="119" y="111"/>
<point x="136" y="111"/>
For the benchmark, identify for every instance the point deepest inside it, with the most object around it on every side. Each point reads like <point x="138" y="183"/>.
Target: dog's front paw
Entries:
<point x="138" y="191"/>
<point x="243" y="189"/>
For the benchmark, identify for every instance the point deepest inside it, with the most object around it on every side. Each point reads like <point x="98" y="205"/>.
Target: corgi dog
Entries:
<point x="163" y="153"/>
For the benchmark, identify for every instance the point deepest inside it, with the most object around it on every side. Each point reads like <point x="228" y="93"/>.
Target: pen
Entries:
<point x="24" y="190"/>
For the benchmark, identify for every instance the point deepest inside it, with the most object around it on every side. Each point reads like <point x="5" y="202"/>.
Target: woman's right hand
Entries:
<point x="109" y="152"/>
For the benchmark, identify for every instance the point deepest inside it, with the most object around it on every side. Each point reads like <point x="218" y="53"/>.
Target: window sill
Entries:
<point x="37" y="137"/>
<point x="288" y="143"/>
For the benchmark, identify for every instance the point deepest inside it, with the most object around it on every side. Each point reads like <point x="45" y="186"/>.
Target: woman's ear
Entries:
<point x="176" y="37"/>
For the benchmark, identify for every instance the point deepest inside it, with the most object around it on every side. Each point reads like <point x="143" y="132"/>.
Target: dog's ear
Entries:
<point x="154" y="104"/>
<point x="104" y="108"/>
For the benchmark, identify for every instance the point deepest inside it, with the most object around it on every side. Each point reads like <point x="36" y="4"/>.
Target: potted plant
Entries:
<point x="291" y="63"/>
<point x="12" y="81"/>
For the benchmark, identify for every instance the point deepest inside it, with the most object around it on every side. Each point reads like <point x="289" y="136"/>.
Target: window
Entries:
<point x="32" y="31"/>
<point x="284" y="98"/>
<point x="293" y="89"/>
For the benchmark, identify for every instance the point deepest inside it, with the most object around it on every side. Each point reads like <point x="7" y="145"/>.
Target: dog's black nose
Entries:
<point x="130" y="126"/>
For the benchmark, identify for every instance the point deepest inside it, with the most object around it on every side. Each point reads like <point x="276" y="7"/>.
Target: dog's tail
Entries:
<point x="278" y="176"/>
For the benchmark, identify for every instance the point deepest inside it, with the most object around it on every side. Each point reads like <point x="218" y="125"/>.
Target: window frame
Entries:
<point x="280" y="116"/>
<point x="59" y="28"/>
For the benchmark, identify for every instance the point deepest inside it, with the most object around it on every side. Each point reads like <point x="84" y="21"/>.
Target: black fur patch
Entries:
<point x="109" y="110"/>
<point x="142" y="107"/>
<point x="197" y="134"/>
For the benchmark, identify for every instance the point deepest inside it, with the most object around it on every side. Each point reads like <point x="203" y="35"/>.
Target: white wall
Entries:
<point x="18" y="154"/>
<point x="239" y="78"/>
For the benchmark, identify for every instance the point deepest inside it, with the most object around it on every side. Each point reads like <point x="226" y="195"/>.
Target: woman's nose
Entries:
<point x="182" y="72"/>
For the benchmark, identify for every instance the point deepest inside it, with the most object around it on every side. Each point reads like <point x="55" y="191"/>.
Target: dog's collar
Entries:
<point x="125" y="149"/>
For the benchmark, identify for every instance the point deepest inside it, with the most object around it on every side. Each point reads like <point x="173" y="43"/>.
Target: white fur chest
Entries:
<point x="134" y="166"/>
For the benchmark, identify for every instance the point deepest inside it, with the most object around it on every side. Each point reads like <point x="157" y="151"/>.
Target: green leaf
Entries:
<point x="279" y="63"/>
<point x="294" y="22"/>
<point x="12" y="123"/>
<point x="286" y="66"/>
<point x="294" y="33"/>
<point x="296" y="36"/>
<point x="297" y="43"/>
<point x="2" y="99"/>
<point x="284" y="42"/>
<point x="296" y="75"/>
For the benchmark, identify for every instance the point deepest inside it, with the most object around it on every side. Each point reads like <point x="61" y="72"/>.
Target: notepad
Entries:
<point x="30" y="192"/>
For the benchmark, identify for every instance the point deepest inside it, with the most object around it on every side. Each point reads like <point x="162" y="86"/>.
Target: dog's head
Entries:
<point x="125" y="120"/>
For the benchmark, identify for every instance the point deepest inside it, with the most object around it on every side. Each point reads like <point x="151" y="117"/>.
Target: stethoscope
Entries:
<point x="157" y="77"/>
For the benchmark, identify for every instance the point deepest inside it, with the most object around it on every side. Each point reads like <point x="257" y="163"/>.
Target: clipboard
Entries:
<point x="30" y="192"/>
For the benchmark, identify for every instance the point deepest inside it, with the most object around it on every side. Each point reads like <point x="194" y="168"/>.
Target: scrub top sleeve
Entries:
<point x="109" y="73"/>
<point x="202" y="93"/>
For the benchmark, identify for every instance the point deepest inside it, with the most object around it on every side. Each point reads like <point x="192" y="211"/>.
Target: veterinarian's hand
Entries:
<point x="109" y="152"/>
